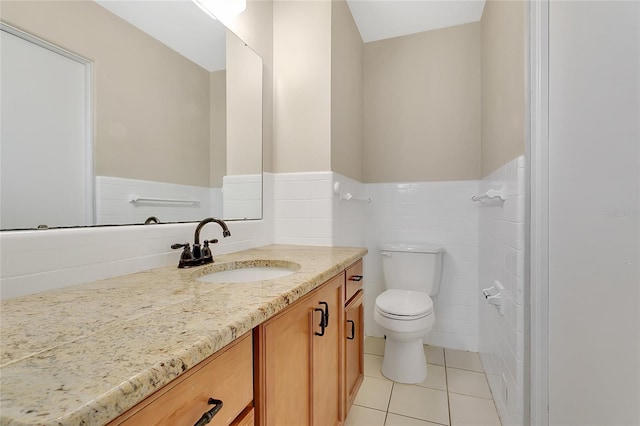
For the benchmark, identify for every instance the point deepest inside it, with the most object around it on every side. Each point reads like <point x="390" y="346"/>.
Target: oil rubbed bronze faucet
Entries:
<point x="199" y="255"/>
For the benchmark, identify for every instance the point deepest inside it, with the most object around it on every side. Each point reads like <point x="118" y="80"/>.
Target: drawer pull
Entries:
<point x="322" y="325"/>
<point x="326" y="313"/>
<point x="353" y="330"/>
<point x="206" y="417"/>
<point x="355" y="278"/>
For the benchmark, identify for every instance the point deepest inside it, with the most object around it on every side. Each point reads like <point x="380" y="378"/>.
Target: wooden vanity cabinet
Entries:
<point x="227" y="375"/>
<point x="354" y="335"/>
<point x="299" y="361"/>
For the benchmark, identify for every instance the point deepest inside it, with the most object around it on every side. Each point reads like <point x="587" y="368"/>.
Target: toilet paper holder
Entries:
<point x="493" y="294"/>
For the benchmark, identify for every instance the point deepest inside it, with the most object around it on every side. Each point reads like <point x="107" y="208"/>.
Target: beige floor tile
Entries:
<point x="472" y="411"/>
<point x="434" y="354"/>
<point x="436" y="378"/>
<point x="374" y="393"/>
<point x="396" y="420"/>
<point x="420" y="403"/>
<point x="463" y="359"/>
<point x="374" y="345"/>
<point x="468" y="382"/>
<point x="373" y="366"/>
<point x="363" y="416"/>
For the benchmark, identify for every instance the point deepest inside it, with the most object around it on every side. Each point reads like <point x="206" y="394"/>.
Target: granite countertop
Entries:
<point x="85" y="354"/>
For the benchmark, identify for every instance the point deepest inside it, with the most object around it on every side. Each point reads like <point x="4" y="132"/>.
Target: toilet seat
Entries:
<point x="405" y="305"/>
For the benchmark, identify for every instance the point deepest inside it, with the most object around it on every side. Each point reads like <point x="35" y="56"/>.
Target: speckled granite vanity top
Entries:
<point x="82" y="355"/>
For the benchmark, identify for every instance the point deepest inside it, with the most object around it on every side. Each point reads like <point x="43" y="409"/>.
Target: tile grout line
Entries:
<point x="448" y="391"/>
<point x="446" y="381"/>
<point x="393" y="384"/>
<point x="492" y="397"/>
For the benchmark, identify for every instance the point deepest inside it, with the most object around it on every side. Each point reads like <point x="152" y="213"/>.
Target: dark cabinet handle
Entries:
<point x="355" y="278"/>
<point x="322" y="326"/>
<point x="325" y="314"/>
<point x="206" y="417"/>
<point x="353" y="330"/>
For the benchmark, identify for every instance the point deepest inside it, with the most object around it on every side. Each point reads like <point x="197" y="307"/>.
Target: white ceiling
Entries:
<point x="380" y="19"/>
<point x="185" y="28"/>
<point x="178" y="24"/>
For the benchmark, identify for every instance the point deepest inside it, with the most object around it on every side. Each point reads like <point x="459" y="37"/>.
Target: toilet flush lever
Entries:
<point x="385" y="254"/>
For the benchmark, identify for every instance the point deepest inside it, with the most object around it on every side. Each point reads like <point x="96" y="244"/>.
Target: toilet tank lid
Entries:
<point x="411" y="247"/>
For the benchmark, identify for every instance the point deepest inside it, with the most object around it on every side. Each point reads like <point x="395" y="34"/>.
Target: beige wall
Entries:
<point x="244" y="108"/>
<point x="152" y="105"/>
<point x="503" y="82"/>
<point x="255" y="27"/>
<point x="347" y="60"/>
<point x="218" y="130"/>
<point x="302" y="85"/>
<point x="422" y="106"/>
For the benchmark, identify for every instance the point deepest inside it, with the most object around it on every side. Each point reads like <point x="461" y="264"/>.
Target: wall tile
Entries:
<point x="113" y="206"/>
<point x="501" y="248"/>
<point x="303" y="208"/>
<point x="433" y="212"/>
<point x="74" y="256"/>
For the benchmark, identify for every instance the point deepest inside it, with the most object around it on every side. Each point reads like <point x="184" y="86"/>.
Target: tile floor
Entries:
<point x="455" y="393"/>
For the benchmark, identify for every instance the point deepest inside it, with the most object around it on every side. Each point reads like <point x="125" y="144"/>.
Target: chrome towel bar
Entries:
<point x="135" y="199"/>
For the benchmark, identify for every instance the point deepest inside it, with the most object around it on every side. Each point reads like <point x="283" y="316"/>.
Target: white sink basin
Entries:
<point x="246" y="274"/>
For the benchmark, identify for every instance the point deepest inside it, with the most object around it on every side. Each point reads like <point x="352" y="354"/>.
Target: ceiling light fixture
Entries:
<point x="222" y="8"/>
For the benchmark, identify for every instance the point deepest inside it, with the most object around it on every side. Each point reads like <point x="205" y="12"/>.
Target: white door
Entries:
<point x="45" y="138"/>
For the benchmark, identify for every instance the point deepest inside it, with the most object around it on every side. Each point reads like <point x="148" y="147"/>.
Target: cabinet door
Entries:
<point x="327" y="355"/>
<point x="286" y="366"/>
<point x="299" y="363"/>
<point x="354" y="351"/>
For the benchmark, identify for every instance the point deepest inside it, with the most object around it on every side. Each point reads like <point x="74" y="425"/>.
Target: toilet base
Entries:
<point x="404" y="362"/>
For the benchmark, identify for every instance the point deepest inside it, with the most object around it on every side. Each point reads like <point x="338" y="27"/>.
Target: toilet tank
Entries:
<point x="412" y="266"/>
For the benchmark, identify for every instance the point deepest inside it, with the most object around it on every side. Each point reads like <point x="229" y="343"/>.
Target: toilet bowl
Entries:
<point x="405" y="317"/>
<point x="404" y="312"/>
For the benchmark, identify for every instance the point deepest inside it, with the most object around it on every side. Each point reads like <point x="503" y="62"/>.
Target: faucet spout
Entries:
<point x="225" y="230"/>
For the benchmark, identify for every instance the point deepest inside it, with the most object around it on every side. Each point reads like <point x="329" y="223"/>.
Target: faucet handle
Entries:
<point x="185" y="256"/>
<point x="206" y="251"/>
<point x="186" y="253"/>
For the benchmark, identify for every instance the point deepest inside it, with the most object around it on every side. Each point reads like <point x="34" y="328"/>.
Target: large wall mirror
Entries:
<point x="117" y="111"/>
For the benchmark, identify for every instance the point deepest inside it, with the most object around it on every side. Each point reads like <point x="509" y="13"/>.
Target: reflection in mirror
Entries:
<point x="144" y="108"/>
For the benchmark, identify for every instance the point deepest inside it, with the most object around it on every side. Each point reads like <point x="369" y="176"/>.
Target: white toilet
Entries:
<point x="405" y="310"/>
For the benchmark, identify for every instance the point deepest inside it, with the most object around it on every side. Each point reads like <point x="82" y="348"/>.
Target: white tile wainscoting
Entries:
<point x="441" y="213"/>
<point x="36" y="261"/>
<point x="308" y="211"/>
<point x="502" y="258"/>
<point x="241" y="196"/>
<point x="303" y="208"/>
<point x="113" y="204"/>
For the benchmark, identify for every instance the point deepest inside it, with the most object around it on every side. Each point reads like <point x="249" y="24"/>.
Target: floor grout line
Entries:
<point x="446" y="382"/>
<point x="448" y="392"/>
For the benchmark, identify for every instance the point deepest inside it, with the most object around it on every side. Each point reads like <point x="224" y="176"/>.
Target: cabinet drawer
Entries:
<point x="226" y="375"/>
<point x="354" y="280"/>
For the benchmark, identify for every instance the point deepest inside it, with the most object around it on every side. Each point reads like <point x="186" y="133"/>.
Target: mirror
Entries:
<point x="117" y="111"/>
